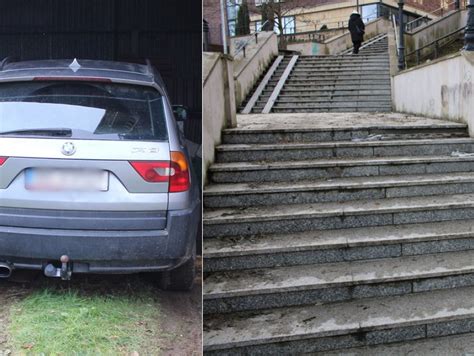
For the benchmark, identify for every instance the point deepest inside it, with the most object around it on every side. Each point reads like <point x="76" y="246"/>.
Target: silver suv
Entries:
<point x="94" y="175"/>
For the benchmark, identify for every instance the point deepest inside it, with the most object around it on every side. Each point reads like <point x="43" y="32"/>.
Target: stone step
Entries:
<point x="373" y="146"/>
<point x="348" y="106"/>
<point x="336" y="215"/>
<point x="335" y="103"/>
<point x="321" y="83"/>
<point x="342" y="65"/>
<point x="320" y="328"/>
<point x="338" y="189"/>
<point x="317" y="79"/>
<point x="461" y="345"/>
<point x="333" y="91"/>
<point x="308" y="129"/>
<point x="331" y="109"/>
<point x="288" y="171"/>
<point x="342" y="60"/>
<point x="340" y="99"/>
<point x="331" y="86"/>
<point x="326" y="98"/>
<point x="229" y="253"/>
<point x="334" y="68"/>
<point x="342" y="56"/>
<point x="359" y="71"/>
<point x="303" y="217"/>
<point x="245" y="290"/>
<point x="353" y="64"/>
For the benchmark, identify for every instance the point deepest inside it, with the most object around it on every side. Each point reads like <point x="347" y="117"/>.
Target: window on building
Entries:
<point x="232" y="11"/>
<point x="289" y="25"/>
<point x="369" y="12"/>
<point x="260" y="2"/>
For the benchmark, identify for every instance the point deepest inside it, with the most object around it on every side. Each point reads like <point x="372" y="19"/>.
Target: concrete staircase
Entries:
<point x="331" y="233"/>
<point x="340" y="83"/>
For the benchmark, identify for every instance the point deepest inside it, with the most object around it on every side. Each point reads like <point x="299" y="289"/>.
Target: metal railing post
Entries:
<point x="457" y="4"/>
<point x="469" y="33"/>
<point x="401" y="42"/>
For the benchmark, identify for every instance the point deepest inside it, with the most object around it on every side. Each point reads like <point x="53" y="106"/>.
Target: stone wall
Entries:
<point x="441" y="89"/>
<point x="218" y="103"/>
<point x="433" y="30"/>
<point x="248" y="69"/>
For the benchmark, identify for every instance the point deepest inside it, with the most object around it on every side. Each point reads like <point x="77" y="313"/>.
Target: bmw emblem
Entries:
<point x="68" y="149"/>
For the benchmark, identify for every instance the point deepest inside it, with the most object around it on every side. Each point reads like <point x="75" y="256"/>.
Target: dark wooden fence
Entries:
<point x="168" y="32"/>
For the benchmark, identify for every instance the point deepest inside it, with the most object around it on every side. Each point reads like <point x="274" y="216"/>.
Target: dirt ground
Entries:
<point x="180" y="313"/>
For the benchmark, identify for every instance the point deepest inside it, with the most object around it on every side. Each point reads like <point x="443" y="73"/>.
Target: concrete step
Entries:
<point x="336" y="215"/>
<point x="320" y="328"/>
<point x="245" y="290"/>
<point x="229" y="253"/>
<point x="339" y="189"/>
<point x="288" y="171"/>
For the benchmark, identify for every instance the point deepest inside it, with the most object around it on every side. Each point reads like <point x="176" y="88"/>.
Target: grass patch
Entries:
<point x="68" y="322"/>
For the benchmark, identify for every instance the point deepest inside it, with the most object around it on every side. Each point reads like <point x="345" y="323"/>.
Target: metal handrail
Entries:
<point x="417" y="52"/>
<point x="255" y="35"/>
<point x="425" y="17"/>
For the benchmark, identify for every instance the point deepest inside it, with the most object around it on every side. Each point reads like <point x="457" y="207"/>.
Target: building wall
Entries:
<point x="335" y="13"/>
<point x="212" y="14"/>
<point x="166" y="32"/>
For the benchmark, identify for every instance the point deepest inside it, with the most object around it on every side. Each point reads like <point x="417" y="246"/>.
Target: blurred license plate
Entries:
<point x="52" y="179"/>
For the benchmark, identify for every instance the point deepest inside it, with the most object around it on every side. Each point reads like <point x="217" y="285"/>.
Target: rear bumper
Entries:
<point x="99" y="251"/>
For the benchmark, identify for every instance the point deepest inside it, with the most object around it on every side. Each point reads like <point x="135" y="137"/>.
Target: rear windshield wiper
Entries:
<point x="40" y="132"/>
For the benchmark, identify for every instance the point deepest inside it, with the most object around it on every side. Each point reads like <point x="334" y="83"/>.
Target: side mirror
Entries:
<point x="180" y="112"/>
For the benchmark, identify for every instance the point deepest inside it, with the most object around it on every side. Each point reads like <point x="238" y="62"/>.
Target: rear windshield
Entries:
<point x="83" y="110"/>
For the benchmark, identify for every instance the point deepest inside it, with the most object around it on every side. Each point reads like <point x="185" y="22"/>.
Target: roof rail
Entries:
<point x="5" y="61"/>
<point x="149" y="67"/>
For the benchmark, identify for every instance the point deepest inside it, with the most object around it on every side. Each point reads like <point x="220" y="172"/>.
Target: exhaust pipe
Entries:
<point x="5" y="270"/>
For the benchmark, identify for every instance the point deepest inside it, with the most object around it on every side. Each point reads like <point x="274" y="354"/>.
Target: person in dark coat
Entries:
<point x="357" y="30"/>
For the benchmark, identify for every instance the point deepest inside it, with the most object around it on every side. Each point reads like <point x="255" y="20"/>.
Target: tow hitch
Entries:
<point x="65" y="272"/>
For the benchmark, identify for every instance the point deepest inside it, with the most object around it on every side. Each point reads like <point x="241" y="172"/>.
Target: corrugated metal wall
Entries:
<point x="165" y="31"/>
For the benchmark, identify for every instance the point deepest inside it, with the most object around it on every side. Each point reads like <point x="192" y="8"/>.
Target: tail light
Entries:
<point x="2" y="160"/>
<point x="175" y="172"/>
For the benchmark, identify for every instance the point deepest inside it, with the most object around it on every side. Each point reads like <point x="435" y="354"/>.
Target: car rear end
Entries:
<point x="93" y="175"/>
